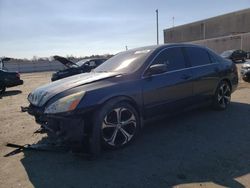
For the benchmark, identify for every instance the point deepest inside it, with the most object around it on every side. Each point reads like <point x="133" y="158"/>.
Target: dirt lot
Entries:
<point x="202" y="148"/>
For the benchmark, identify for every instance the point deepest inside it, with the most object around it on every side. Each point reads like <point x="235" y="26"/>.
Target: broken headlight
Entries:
<point x="65" y="104"/>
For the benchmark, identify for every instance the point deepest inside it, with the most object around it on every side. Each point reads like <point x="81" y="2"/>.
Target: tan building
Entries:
<point x="228" y="31"/>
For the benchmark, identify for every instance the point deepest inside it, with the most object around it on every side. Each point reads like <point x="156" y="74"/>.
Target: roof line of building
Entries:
<point x="208" y="19"/>
<point x="217" y="38"/>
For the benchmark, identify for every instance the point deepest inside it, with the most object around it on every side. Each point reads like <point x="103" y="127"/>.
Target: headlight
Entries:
<point x="65" y="104"/>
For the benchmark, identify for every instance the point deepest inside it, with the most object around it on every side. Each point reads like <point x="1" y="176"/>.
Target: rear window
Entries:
<point x="198" y="56"/>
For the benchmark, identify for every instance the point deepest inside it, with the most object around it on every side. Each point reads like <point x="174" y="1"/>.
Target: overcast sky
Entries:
<point x="84" y="27"/>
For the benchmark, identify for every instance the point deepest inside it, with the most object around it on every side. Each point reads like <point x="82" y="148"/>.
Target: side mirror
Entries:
<point x="157" y="69"/>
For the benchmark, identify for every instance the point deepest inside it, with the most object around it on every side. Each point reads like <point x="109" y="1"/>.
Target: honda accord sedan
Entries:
<point x="107" y="107"/>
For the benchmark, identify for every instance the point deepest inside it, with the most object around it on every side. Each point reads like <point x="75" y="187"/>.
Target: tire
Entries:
<point x="115" y="125"/>
<point x="246" y="79"/>
<point x="222" y="96"/>
<point x="2" y="89"/>
<point x="244" y="59"/>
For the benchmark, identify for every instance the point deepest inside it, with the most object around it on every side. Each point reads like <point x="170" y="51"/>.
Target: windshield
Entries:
<point x="125" y="62"/>
<point x="227" y="53"/>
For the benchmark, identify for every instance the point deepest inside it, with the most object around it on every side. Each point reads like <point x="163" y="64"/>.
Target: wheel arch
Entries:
<point x="228" y="81"/>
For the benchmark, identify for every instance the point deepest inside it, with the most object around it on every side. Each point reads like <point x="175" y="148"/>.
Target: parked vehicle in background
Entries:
<point x="245" y="71"/>
<point x="110" y="104"/>
<point x="85" y="65"/>
<point x="2" y="60"/>
<point x="9" y="79"/>
<point x="235" y="55"/>
<point x="248" y="55"/>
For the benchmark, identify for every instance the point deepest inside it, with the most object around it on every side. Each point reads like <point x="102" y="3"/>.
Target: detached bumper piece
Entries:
<point x="41" y="147"/>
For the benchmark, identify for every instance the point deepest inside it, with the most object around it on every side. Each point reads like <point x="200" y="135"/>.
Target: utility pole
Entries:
<point x="126" y="47"/>
<point x="173" y="21"/>
<point x="157" y="26"/>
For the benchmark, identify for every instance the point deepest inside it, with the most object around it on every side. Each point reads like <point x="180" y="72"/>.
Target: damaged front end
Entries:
<point x="63" y="109"/>
<point x="64" y="128"/>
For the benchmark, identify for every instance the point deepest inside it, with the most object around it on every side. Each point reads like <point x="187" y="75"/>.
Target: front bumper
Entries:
<point x="66" y="128"/>
<point x="14" y="83"/>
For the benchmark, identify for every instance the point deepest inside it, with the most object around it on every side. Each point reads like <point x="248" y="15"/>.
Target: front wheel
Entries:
<point x="115" y="125"/>
<point x="222" y="96"/>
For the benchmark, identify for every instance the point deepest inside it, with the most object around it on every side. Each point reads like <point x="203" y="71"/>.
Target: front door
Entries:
<point x="171" y="90"/>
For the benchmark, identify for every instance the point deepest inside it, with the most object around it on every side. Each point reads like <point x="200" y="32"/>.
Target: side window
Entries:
<point x="213" y="57"/>
<point x="99" y="61"/>
<point x="92" y="63"/>
<point x="197" y="56"/>
<point x="173" y="58"/>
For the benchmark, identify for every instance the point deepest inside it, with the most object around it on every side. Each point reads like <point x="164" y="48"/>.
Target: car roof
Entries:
<point x="163" y="46"/>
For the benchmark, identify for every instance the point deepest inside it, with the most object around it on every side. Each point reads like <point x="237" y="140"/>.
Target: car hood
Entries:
<point x="41" y="95"/>
<point x="65" y="61"/>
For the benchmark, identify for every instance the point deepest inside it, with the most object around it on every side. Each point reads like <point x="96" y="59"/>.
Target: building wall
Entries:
<point x="220" y="44"/>
<point x="224" y="25"/>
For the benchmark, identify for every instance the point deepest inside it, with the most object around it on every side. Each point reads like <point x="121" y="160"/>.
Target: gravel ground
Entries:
<point x="202" y="148"/>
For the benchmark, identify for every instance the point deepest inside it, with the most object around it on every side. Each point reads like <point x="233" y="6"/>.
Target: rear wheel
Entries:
<point x="222" y="96"/>
<point x="116" y="125"/>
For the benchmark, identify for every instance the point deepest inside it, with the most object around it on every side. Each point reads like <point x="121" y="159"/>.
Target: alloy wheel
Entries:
<point x="224" y="95"/>
<point x="119" y="127"/>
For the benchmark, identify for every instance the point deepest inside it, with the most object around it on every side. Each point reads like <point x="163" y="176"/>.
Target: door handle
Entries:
<point x="186" y="76"/>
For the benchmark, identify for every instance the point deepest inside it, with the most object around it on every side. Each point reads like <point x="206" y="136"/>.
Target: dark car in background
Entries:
<point x="85" y="65"/>
<point x="107" y="107"/>
<point x="9" y="79"/>
<point x="245" y="71"/>
<point x="235" y="55"/>
<point x="248" y="55"/>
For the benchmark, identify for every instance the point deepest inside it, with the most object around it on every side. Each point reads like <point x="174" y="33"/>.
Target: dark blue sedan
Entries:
<point x="107" y="107"/>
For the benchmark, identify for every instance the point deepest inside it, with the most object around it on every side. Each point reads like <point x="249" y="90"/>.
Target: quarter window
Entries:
<point x="198" y="56"/>
<point x="173" y="58"/>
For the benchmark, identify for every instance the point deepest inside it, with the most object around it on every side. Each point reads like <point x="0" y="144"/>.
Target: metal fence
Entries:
<point x="26" y="67"/>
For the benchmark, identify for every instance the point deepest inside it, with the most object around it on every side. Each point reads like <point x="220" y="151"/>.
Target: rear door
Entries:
<point x="171" y="90"/>
<point x="205" y="72"/>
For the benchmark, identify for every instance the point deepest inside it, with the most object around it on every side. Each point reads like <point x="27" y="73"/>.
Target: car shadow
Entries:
<point x="193" y="147"/>
<point x="10" y="93"/>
